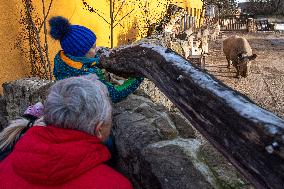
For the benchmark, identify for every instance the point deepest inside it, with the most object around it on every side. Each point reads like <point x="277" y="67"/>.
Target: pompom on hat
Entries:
<point x="75" y="40"/>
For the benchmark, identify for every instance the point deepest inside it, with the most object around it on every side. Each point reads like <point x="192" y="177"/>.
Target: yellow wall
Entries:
<point x="134" y="26"/>
<point x="12" y="64"/>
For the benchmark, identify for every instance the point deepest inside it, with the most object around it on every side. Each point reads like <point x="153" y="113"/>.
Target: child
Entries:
<point x="17" y="128"/>
<point x="79" y="57"/>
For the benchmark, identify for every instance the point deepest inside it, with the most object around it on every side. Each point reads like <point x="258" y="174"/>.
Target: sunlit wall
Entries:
<point x="132" y="18"/>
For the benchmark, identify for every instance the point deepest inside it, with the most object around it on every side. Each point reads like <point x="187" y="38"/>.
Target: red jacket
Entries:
<point x="51" y="157"/>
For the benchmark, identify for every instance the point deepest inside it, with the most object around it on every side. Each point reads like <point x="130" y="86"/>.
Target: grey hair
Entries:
<point x="78" y="103"/>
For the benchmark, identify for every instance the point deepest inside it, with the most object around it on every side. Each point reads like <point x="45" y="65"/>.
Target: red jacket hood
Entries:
<point x="51" y="155"/>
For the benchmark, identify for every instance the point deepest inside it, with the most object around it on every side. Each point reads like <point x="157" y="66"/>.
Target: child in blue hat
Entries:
<point x="79" y="57"/>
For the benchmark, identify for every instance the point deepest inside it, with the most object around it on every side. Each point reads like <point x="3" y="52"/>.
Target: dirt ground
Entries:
<point x="265" y="84"/>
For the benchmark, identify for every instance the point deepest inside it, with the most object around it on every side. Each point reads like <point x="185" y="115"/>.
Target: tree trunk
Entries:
<point x="249" y="136"/>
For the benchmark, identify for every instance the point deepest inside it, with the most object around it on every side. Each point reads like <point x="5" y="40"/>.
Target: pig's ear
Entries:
<point x="252" y="57"/>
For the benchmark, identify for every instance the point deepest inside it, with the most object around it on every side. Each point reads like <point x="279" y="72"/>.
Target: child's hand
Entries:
<point x="102" y="50"/>
<point x="98" y="49"/>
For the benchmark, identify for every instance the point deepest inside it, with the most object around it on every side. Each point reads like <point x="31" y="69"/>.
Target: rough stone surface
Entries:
<point x="225" y="174"/>
<point x="20" y="94"/>
<point x="175" y="163"/>
<point x="132" y="132"/>
<point x="155" y="94"/>
<point x="3" y="113"/>
<point x="183" y="125"/>
<point x="156" y="149"/>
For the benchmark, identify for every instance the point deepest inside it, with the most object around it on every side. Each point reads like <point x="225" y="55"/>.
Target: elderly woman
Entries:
<point x="68" y="151"/>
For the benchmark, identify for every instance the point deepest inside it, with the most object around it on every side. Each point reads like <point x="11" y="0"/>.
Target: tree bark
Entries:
<point x="249" y="136"/>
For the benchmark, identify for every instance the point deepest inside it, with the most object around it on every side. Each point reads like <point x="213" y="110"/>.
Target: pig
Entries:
<point x="238" y="51"/>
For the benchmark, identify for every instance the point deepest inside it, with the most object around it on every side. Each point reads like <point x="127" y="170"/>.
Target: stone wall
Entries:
<point x="155" y="94"/>
<point x="160" y="149"/>
<point x="156" y="148"/>
<point x="3" y="113"/>
<point x="20" y="94"/>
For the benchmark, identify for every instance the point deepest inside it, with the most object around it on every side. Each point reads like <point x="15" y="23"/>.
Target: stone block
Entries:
<point x="21" y="93"/>
<point x="3" y="113"/>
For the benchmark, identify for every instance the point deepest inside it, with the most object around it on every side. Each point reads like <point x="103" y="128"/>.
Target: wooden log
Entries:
<point x="250" y="137"/>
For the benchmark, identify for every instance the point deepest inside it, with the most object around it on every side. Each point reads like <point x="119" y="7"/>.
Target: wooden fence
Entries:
<point x="250" y="137"/>
<point x="233" y="24"/>
<point x="187" y="21"/>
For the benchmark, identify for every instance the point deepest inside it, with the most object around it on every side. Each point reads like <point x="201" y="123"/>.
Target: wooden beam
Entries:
<point x="250" y="137"/>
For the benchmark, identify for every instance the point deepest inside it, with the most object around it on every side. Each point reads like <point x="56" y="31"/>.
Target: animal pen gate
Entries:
<point x="187" y="22"/>
<point x="233" y="24"/>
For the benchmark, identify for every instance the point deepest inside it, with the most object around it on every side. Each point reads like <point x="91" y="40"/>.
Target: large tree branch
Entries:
<point x="249" y="136"/>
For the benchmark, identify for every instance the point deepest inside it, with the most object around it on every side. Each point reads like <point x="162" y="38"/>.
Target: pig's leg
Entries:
<point x="238" y="72"/>
<point x="229" y="62"/>
<point x="248" y="68"/>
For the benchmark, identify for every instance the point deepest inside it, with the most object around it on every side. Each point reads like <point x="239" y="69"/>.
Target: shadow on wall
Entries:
<point x="130" y="35"/>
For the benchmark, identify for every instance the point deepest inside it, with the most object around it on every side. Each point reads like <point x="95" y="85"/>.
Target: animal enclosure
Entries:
<point x="234" y="24"/>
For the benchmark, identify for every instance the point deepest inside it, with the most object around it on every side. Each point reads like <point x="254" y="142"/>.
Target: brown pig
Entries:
<point x="238" y="52"/>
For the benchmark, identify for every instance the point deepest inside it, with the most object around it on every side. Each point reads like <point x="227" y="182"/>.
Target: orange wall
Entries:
<point x="13" y="63"/>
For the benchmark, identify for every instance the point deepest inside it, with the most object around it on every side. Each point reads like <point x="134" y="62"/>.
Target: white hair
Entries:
<point x="78" y="103"/>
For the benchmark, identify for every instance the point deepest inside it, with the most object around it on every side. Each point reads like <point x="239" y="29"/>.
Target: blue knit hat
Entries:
<point x="75" y="40"/>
